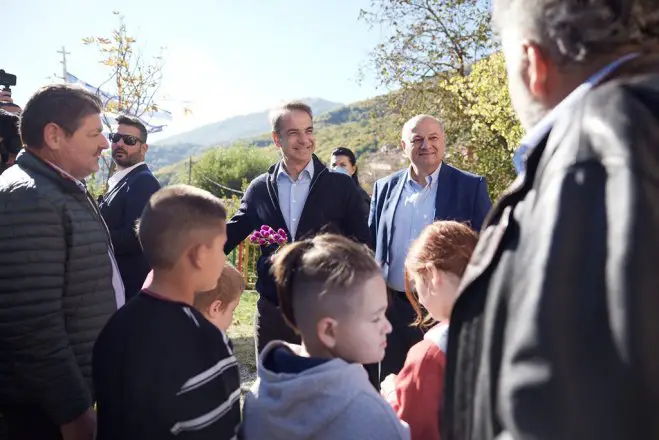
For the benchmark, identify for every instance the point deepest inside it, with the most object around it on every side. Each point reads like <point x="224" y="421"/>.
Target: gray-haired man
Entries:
<point x="555" y="333"/>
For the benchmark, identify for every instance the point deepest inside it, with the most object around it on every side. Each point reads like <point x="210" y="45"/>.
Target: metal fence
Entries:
<point x="244" y="258"/>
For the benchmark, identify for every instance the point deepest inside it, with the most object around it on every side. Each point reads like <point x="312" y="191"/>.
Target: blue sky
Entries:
<point x="224" y="57"/>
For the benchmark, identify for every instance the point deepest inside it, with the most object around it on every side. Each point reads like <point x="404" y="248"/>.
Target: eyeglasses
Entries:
<point x="129" y="139"/>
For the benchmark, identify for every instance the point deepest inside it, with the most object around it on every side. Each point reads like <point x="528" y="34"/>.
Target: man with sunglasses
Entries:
<point x="128" y="192"/>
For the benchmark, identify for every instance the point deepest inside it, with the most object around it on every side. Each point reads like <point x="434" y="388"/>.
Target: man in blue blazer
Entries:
<point x="402" y="205"/>
<point x="129" y="190"/>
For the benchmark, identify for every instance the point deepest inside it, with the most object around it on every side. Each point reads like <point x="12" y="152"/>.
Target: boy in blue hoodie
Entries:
<point x="332" y="293"/>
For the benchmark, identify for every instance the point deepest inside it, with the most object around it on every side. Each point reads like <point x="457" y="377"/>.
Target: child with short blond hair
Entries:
<point x="218" y="304"/>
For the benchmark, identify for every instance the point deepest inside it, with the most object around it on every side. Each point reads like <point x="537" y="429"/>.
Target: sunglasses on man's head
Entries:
<point x="129" y="139"/>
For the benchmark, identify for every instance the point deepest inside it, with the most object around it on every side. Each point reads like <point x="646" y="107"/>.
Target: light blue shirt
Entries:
<point x="415" y="211"/>
<point x="540" y="130"/>
<point x="293" y="194"/>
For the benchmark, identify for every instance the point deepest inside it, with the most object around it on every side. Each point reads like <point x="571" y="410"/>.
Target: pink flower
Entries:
<point x="276" y="237"/>
<point x="261" y="241"/>
<point x="253" y="238"/>
<point x="281" y="240"/>
<point x="281" y="232"/>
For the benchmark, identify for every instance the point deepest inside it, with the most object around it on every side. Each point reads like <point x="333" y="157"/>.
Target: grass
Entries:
<point x="241" y="333"/>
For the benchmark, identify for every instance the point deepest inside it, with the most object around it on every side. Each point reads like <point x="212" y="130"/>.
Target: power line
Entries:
<point x="224" y="187"/>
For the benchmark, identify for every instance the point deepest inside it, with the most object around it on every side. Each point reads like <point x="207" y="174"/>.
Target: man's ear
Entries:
<point x="537" y="70"/>
<point x="326" y="330"/>
<point x="402" y="146"/>
<point x="276" y="139"/>
<point x="52" y="136"/>
<point x="144" y="148"/>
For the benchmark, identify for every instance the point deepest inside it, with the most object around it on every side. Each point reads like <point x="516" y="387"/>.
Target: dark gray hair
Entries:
<point x="63" y="104"/>
<point x="574" y="31"/>
<point x="277" y="115"/>
<point x="132" y="121"/>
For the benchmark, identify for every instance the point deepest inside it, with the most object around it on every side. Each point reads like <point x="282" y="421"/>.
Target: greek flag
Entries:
<point x="154" y="121"/>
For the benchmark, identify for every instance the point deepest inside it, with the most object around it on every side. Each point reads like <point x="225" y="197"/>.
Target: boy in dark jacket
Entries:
<point x="161" y="369"/>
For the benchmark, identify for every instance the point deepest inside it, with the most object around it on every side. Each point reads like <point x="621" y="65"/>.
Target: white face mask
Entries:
<point x="341" y="170"/>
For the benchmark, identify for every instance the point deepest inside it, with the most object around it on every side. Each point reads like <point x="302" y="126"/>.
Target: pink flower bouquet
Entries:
<point x="267" y="236"/>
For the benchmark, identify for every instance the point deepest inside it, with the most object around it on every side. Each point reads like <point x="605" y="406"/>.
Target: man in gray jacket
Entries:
<point x="58" y="280"/>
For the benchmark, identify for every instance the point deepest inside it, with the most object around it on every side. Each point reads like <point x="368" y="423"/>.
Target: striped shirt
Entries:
<point x="161" y="370"/>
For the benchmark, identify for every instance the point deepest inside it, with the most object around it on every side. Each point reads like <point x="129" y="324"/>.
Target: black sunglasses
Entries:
<point x="129" y="139"/>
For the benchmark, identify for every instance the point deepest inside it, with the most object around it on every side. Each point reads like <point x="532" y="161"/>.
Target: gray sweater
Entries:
<point x="333" y="400"/>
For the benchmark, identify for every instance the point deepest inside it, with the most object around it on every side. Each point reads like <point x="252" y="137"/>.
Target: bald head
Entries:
<point x="413" y="123"/>
<point x="423" y="141"/>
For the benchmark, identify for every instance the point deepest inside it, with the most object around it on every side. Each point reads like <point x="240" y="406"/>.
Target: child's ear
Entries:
<point x="216" y="308"/>
<point x="196" y="256"/>
<point x="326" y="329"/>
<point x="436" y="278"/>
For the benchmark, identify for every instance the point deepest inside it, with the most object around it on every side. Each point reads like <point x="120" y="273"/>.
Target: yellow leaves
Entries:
<point x="485" y="99"/>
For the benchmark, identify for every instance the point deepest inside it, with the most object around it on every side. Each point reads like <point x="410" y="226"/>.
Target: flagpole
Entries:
<point x="64" y="53"/>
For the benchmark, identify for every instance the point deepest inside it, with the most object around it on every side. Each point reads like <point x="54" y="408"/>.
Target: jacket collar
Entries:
<point x="27" y="159"/>
<point x="271" y="184"/>
<point x="318" y="168"/>
<point x="117" y="177"/>
<point x="442" y="193"/>
<point x="535" y="136"/>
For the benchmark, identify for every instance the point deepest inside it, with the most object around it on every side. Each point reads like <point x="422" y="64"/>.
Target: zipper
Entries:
<point x="313" y="184"/>
<point x="108" y="237"/>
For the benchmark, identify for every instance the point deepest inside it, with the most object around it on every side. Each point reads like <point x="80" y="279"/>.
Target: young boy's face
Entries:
<point x="220" y="314"/>
<point x="361" y="334"/>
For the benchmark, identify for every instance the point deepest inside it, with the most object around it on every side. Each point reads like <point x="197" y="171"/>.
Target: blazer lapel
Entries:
<point x="443" y="191"/>
<point x="119" y="184"/>
<point x="390" y="209"/>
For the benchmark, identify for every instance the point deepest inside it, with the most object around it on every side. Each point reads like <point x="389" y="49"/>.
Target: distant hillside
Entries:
<point x="367" y="127"/>
<point x="191" y="143"/>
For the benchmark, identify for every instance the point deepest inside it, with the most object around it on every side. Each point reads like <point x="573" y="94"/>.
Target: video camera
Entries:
<point x="10" y="140"/>
<point x="7" y="80"/>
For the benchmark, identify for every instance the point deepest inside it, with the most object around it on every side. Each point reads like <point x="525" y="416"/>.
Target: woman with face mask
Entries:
<point x="343" y="161"/>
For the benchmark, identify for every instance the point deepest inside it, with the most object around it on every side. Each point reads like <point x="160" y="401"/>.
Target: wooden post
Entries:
<point x="246" y="263"/>
<point x="239" y="263"/>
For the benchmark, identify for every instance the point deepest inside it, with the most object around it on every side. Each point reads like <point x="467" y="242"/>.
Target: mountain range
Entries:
<point x="222" y="133"/>
<point x="370" y="128"/>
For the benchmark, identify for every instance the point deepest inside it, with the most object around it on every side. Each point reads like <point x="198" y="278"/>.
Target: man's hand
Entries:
<point x="82" y="428"/>
<point x="8" y="103"/>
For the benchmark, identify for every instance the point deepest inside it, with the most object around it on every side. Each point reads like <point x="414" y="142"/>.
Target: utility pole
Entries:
<point x="64" y="53"/>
